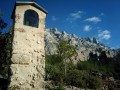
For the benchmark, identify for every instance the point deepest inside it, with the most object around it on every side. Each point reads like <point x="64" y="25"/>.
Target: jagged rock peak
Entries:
<point x="63" y="35"/>
<point x="83" y="45"/>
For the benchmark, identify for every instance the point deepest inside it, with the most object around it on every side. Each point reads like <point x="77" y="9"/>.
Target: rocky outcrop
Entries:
<point x="83" y="45"/>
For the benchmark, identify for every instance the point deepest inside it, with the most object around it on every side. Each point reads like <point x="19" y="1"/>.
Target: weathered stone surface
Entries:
<point x="28" y="61"/>
<point x="21" y="59"/>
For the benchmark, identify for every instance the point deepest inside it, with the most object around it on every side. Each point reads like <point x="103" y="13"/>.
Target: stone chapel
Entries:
<point x="27" y="66"/>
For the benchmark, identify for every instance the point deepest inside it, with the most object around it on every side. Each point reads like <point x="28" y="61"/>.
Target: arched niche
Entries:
<point x="31" y="18"/>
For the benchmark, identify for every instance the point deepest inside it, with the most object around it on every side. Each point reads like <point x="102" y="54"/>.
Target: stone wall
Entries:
<point x="28" y="55"/>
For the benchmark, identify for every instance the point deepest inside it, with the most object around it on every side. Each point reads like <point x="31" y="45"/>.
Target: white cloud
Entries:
<point x="74" y="16"/>
<point x="54" y="18"/>
<point x="93" y="19"/>
<point x="87" y="28"/>
<point x="104" y="35"/>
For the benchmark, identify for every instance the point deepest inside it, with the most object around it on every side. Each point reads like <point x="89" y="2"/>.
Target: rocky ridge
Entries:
<point x="84" y="46"/>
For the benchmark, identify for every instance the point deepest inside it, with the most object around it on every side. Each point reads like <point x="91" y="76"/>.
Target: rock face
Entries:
<point x="83" y="45"/>
<point x="28" y="61"/>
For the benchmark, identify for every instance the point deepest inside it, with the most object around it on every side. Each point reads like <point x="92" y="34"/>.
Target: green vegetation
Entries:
<point x="5" y="45"/>
<point x="85" y="74"/>
<point x="65" y="51"/>
<point x="61" y="70"/>
<point x="5" y="48"/>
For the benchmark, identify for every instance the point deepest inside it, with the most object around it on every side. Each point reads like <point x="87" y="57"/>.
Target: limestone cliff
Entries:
<point x="83" y="45"/>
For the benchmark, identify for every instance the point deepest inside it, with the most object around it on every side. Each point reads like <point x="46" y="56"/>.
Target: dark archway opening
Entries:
<point x="31" y="18"/>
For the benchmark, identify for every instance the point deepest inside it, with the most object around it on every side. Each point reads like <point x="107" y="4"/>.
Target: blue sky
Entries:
<point x="85" y="18"/>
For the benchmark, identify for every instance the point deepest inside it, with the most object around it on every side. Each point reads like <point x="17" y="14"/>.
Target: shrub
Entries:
<point x="60" y="86"/>
<point x="93" y="82"/>
<point x="74" y="78"/>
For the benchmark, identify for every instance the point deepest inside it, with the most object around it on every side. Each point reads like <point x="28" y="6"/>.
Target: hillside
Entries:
<point x="84" y="46"/>
<point x="96" y="66"/>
